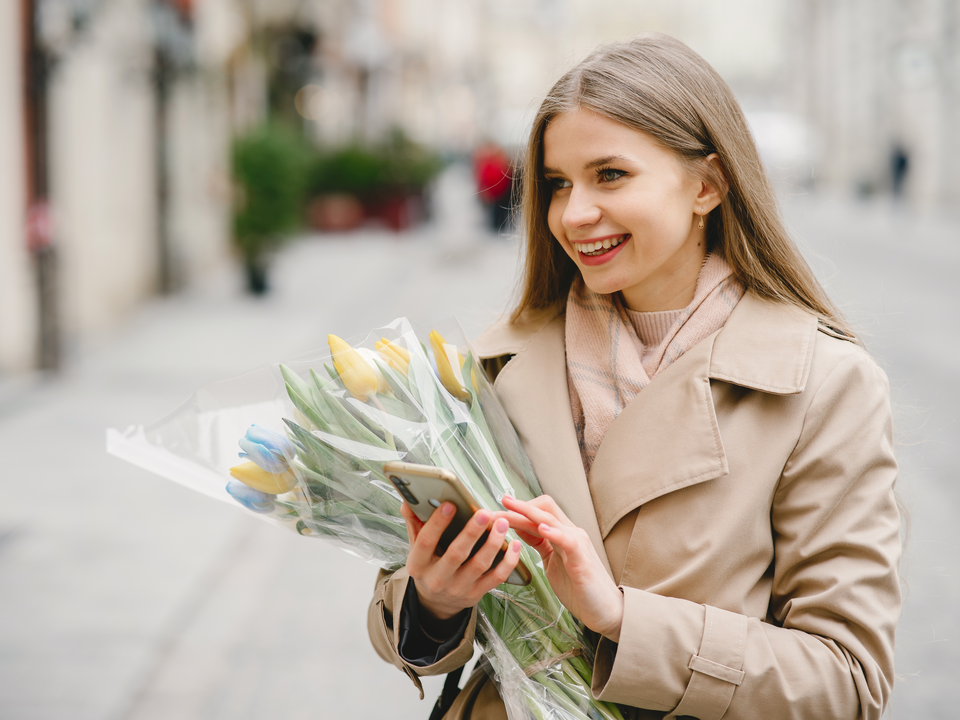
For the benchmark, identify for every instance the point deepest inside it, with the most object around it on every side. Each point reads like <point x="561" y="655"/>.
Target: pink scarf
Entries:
<point x="604" y="368"/>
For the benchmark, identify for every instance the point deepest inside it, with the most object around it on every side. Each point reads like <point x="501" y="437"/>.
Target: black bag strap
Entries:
<point x="451" y="688"/>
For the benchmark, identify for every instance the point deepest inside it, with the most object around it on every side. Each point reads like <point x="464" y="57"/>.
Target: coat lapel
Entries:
<point x="765" y="346"/>
<point x="533" y="389"/>
<point x="665" y="439"/>
<point x="668" y="437"/>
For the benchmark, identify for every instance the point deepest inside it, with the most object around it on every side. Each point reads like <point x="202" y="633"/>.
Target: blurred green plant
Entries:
<point x="269" y="172"/>
<point x="397" y="166"/>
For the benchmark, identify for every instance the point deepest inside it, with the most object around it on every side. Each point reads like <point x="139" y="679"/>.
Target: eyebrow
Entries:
<point x="599" y="162"/>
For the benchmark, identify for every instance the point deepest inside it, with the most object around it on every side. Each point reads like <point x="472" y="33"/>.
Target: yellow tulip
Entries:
<point x="394" y="355"/>
<point x="373" y="360"/>
<point x="252" y="475"/>
<point x="357" y="375"/>
<point x="446" y="356"/>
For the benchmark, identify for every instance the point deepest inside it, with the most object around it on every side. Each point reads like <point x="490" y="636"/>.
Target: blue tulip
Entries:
<point x="248" y="497"/>
<point x="270" y="450"/>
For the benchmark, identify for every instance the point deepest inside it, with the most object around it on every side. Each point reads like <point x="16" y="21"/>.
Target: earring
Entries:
<point x="700" y="224"/>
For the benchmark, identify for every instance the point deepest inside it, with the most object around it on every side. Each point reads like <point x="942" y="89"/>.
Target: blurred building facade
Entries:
<point x="134" y="140"/>
<point x="880" y="80"/>
<point x="17" y="306"/>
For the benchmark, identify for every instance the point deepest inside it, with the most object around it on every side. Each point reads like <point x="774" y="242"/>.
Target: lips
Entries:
<point x="601" y="250"/>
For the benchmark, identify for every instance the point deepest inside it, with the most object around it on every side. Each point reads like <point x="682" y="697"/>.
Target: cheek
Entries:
<point x="554" y="213"/>
<point x="554" y="222"/>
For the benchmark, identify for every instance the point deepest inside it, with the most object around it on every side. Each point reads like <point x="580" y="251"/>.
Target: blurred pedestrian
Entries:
<point x="494" y="177"/>
<point x="714" y="443"/>
<point x="899" y="165"/>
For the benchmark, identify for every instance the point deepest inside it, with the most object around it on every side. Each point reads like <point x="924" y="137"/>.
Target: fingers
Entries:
<point x="561" y="538"/>
<point x="572" y="545"/>
<point x="547" y="527"/>
<point x="459" y="550"/>
<point x="533" y="541"/>
<point x="484" y="558"/>
<point x="501" y="573"/>
<point x="542" y="509"/>
<point x="459" y="578"/>
<point x="542" y="546"/>
<point x="422" y="549"/>
<point x="521" y="523"/>
<point x="412" y="521"/>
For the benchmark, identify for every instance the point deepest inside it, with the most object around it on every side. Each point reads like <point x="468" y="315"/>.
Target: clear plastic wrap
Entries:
<point x="313" y="435"/>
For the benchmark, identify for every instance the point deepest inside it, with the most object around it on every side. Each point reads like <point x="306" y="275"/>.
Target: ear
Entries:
<point x="713" y="183"/>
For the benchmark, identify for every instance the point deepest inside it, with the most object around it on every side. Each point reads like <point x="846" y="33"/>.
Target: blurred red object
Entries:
<point x="332" y="213"/>
<point x="184" y="7"/>
<point x="493" y="172"/>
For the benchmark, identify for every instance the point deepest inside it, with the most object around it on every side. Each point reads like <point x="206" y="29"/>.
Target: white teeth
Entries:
<point x="592" y="247"/>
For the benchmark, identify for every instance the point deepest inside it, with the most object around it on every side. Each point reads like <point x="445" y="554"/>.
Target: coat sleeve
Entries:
<point x="384" y="628"/>
<point x="826" y="650"/>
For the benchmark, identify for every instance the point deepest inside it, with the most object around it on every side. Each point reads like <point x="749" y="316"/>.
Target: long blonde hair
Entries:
<point x="657" y="85"/>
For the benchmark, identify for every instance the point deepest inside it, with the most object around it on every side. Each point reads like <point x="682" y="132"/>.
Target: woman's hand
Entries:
<point x="449" y="583"/>
<point x="573" y="567"/>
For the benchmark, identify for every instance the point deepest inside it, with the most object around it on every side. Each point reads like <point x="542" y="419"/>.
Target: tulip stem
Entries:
<point x="387" y="436"/>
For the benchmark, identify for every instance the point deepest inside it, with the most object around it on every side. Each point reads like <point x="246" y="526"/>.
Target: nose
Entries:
<point x="580" y="210"/>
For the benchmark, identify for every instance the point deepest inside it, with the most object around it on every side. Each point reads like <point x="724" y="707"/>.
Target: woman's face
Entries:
<point x="617" y="186"/>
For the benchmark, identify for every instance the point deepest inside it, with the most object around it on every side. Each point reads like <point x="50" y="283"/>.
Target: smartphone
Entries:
<point x="425" y="488"/>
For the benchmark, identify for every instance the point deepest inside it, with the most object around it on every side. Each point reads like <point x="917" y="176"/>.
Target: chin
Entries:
<point x="604" y="288"/>
<point x="604" y="282"/>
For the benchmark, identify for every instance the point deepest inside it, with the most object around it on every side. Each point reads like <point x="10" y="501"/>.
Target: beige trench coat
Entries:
<point x="743" y="501"/>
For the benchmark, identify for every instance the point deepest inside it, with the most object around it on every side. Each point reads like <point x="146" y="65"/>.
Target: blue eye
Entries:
<point x="609" y="174"/>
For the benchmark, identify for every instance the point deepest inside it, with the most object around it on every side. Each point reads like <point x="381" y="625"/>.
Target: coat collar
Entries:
<point x="667" y="437"/>
<point x="765" y="346"/>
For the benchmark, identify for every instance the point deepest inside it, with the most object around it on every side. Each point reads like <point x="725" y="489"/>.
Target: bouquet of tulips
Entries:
<point x="313" y="436"/>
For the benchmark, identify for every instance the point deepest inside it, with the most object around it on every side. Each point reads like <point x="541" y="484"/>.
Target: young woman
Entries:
<point x="713" y="443"/>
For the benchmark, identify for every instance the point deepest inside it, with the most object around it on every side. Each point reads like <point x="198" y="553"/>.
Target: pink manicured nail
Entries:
<point x="447" y="508"/>
<point x="543" y="527"/>
<point x="502" y="525"/>
<point x="508" y="497"/>
<point x="515" y="546"/>
<point x="482" y="517"/>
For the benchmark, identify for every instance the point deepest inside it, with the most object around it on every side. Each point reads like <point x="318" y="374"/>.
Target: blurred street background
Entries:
<point x="192" y="188"/>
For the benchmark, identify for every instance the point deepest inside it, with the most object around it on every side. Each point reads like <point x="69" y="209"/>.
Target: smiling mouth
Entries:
<point x="601" y="247"/>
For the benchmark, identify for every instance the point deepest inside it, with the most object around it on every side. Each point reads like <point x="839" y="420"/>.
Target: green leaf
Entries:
<point x="325" y="458"/>
<point x="319" y="392"/>
<point x="334" y="375"/>
<point x="305" y="407"/>
<point x="347" y="425"/>
<point x="400" y="408"/>
<point x="292" y="379"/>
<point x="399" y="385"/>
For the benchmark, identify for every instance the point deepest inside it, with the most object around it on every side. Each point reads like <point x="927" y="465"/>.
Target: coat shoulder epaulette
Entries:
<point x="835" y="332"/>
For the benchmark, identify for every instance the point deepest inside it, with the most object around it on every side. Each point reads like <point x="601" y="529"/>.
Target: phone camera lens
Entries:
<point x="402" y="487"/>
<point x="434" y="502"/>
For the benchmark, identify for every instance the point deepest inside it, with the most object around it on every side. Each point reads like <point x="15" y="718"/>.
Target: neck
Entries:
<point x="672" y="292"/>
